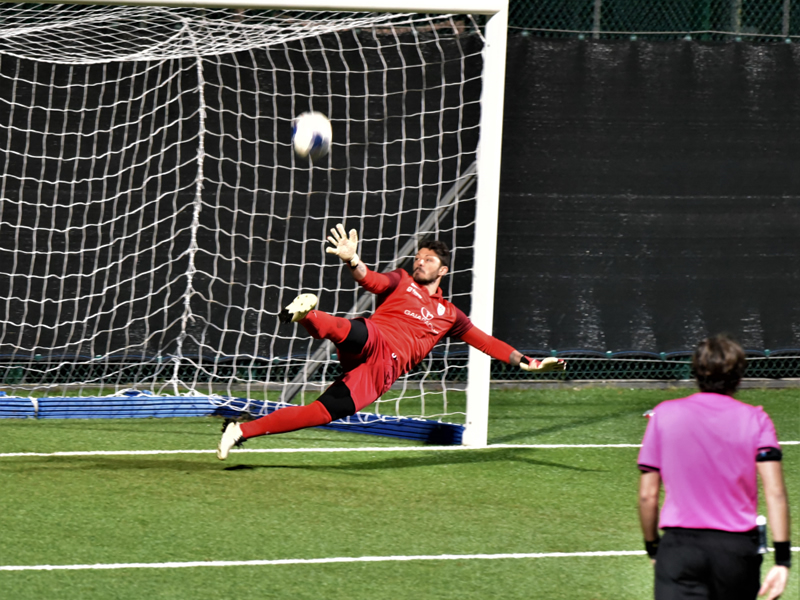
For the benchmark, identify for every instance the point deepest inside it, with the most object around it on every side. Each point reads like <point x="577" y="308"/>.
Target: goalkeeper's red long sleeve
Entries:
<point x="488" y="344"/>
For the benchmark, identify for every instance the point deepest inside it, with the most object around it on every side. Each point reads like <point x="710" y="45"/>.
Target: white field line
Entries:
<point x="312" y="561"/>
<point x="324" y="450"/>
<point x="301" y="450"/>
<point x="307" y="561"/>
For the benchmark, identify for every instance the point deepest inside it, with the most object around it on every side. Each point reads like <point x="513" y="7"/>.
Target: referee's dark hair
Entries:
<point x="441" y="249"/>
<point x="718" y="364"/>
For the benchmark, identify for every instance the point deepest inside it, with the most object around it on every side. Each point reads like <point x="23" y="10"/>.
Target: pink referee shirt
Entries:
<point x="705" y="448"/>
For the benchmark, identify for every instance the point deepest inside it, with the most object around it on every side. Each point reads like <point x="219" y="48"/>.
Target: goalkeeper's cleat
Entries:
<point x="231" y="436"/>
<point x="546" y="365"/>
<point x="298" y="309"/>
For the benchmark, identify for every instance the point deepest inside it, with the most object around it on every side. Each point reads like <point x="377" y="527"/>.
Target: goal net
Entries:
<point x="154" y="219"/>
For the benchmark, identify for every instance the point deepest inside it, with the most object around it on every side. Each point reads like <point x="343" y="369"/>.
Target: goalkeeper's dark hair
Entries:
<point x="441" y="249"/>
<point x="718" y="364"/>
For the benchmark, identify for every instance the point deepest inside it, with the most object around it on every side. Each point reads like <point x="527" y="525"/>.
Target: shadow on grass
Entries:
<point x="114" y="464"/>
<point x="571" y="424"/>
<point x="84" y="426"/>
<point x="408" y="461"/>
<point x="88" y="464"/>
<point x="432" y="459"/>
<point x="145" y="427"/>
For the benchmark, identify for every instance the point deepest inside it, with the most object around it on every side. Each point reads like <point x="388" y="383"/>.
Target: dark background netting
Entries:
<point x="649" y="192"/>
<point x="649" y="195"/>
<point x="704" y="19"/>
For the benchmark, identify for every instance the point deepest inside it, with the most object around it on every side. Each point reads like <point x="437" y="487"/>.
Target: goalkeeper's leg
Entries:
<point x="282" y="420"/>
<point x="349" y="336"/>
<point x="322" y="326"/>
<point x="369" y="367"/>
<point x="335" y="403"/>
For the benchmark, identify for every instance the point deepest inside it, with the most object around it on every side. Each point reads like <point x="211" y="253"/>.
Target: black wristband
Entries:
<point x="783" y="553"/>
<point x="652" y="547"/>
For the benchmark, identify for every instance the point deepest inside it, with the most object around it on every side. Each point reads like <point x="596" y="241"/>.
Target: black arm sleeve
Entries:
<point x="768" y="453"/>
<point x="648" y="469"/>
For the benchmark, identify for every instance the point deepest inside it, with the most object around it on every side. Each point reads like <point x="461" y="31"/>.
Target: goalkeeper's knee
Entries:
<point x="338" y="401"/>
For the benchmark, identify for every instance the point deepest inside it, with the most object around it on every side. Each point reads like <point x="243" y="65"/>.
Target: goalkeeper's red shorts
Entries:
<point x="370" y="373"/>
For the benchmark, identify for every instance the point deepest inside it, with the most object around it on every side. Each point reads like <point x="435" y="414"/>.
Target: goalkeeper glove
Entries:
<point x="344" y="246"/>
<point x="545" y="365"/>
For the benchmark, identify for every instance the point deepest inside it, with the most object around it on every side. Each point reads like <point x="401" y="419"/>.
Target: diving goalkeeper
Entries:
<point x="412" y="316"/>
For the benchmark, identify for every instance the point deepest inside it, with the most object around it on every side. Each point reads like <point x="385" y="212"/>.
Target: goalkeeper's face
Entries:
<point x="428" y="267"/>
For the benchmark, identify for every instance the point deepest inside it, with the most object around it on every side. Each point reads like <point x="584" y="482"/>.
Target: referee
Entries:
<point x="707" y="449"/>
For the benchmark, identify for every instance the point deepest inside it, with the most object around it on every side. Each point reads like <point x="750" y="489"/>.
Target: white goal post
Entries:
<point x="90" y="184"/>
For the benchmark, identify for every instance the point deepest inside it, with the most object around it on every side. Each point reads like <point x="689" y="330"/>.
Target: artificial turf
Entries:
<point x="157" y="508"/>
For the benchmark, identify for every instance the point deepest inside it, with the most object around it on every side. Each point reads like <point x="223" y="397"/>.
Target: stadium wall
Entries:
<point x="650" y="195"/>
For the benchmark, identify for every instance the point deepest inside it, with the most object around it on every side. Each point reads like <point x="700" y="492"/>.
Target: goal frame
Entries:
<point x="488" y="157"/>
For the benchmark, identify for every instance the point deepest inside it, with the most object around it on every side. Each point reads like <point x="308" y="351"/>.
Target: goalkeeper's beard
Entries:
<point x="419" y="277"/>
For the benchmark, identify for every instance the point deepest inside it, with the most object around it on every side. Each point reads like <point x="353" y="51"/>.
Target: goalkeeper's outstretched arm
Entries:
<point x="345" y="246"/>
<point x="502" y="351"/>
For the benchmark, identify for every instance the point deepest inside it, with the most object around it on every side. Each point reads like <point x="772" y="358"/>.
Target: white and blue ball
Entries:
<point x="311" y="135"/>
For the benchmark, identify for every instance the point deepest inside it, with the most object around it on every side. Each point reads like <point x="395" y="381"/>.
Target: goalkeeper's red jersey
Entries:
<point x="411" y="320"/>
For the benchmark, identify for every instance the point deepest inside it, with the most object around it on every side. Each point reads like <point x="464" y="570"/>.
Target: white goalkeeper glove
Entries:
<point x="551" y="363"/>
<point x="344" y="246"/>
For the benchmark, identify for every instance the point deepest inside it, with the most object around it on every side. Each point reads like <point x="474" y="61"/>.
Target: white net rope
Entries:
<point x="155" y="220"/>
<point x="79" y="34"/>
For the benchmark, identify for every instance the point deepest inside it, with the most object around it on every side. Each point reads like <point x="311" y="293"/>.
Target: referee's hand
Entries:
<point x="775" y="582"/>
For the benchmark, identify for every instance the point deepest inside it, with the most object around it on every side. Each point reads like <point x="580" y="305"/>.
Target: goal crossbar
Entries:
<point x="478" y="7"/>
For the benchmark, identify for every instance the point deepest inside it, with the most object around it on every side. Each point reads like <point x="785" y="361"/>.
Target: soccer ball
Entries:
<point x="311" y="135"/>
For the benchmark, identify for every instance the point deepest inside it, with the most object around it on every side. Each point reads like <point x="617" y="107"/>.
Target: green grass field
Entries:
<point x="183" y="508"/>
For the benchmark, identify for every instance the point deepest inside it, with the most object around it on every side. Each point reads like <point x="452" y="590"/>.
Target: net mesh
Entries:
<point x="762" y="20"/>
<point x="155" y="219"/>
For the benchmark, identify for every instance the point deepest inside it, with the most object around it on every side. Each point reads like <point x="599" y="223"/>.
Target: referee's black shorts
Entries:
<point x="708" y="564"/>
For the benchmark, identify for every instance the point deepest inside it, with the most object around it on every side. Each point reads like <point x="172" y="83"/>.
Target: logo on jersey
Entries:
<point x="414" y="291"/>
<point x="440" y="309"/>
<point x="426" y="317"/>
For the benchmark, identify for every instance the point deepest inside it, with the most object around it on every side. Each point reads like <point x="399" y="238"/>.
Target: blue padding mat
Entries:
<point x="432" y="432"/>
<point x="16" y="408"/>
<point x="143" y="405"/>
